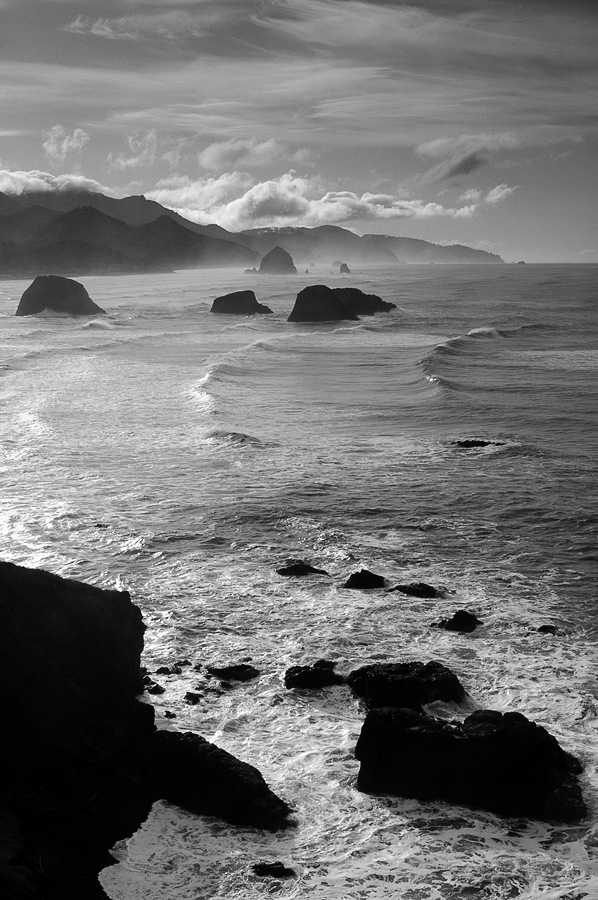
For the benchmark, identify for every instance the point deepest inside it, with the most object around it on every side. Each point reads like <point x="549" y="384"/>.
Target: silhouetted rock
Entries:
<point x="363" y="304"/>
<point x="272" y="870"/>
<point x="54" y="293"/>
<point x="418" y="589"/>
<point x="277" y="262"/>
<point x="80" y="759"/>
<point x="344" y="269"/>
<point x="461" y="621"/>
<point x="411" y="684"/>
<point x="188" y="770"/>
<point x="320" y="675"/>
<point x="239" y="303"/>
<point x="318" y="303"/>
<point x="236" y="672"/>
<point x="364" y="580"/>
<point x="299" y="569"/>
<point x="498" y="762"/>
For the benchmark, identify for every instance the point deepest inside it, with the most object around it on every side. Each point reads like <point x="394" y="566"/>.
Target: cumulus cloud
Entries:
<point x="463" y="155"/>
<point x="143" y="150"/>
<point x="234" y="153"/>
<point x="59" y="143"/>
<point x="36" y="181"/>
<point x="235" y="201"/>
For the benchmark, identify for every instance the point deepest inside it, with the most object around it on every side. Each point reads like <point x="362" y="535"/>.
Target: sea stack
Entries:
<point x="318" y="303"/>
<point x="277" y="262"/>
<point x="53" y="293"/>
<point x="239" y="303"/>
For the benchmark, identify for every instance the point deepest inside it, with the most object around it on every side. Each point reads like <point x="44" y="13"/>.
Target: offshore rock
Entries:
<point x="411" y="685"/>
<point x="320" y="675"/>
<point x="363" y="304"/>
<point x="364" y="580"/>
<point x="319" y="303"/>
<point x="239" y="303"/>
<point x="57" y="294"/>
<point x="277" y="262"/>
<point x="499" y="762"/>
<point x="344" y="269"/>
<point x="462" y="621"/>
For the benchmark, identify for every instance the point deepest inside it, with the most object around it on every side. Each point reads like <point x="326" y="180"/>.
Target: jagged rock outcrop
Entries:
<point x="411" y="685"/>
<point x="318" y="303"/>
<point x="54" y="293"/>
<point x="502" y="763"/>
<point x="239" y="303"/>
<point x="364" y="580"/>
<point x="81" y="760"/>
<point x="418" y="589"/>
<point x="462" y="621"/>
<point x="277" y="262"/>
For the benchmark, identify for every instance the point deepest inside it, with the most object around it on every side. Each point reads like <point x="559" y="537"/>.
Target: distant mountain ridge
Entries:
<point x="82" y="232"/>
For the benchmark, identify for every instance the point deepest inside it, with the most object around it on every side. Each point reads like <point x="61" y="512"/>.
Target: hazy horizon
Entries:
<point x="455" y="121"/>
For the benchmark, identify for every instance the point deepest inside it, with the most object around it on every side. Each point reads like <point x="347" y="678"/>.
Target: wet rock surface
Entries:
<point x="364" y="580"/>
<point x="320" y="674"/>
<point x="499" y="762"/>
<point x="239" y="303"/>
<point x="411" y="684"/>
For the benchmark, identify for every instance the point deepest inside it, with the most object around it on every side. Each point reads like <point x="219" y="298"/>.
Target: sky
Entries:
<point x="455" y="121"/>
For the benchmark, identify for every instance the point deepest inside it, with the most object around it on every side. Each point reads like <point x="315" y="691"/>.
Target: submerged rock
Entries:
<point x="320" y="675"/>
<point x="299" y="569"/>
<point x="235" y="672"/>
<point x="277" y="262"/>
<point x="272" y="870"/>
<point x="499" y="762"/>
<point x="462" y="621"/>
<point x="364" y="580"/>
<point x="54" y="293"/>
<point x="411" y="684"/>
<point x="418" y="589"/>
<point x="239" y="303"/>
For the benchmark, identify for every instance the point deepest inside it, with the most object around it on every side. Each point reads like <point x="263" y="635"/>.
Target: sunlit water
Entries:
<point x="185" y="456"/>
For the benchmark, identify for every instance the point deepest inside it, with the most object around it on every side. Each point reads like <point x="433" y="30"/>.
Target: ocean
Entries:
<point x="185" y="456"/>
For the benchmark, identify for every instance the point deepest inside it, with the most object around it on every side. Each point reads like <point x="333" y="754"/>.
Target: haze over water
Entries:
<point x="184" y="457"/>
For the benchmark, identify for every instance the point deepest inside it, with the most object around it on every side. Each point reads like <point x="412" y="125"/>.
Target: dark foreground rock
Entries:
<point x="462" y="621"/>
<point x="411" y="685"/>
<point x="363" y="304"/>
<point x="502" y="763"/>
<point x="54" y="293"/>
<point x="81" y="761"/>
<point x="320" y="675"/>
<point x="364" y="580"/>
<point x="277" y="262"/>
<point x="239" y="303"/>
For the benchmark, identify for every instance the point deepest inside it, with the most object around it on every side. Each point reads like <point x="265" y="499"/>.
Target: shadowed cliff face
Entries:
<point x="81" y="761"/>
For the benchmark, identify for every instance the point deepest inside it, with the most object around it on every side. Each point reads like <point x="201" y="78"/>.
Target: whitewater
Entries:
<point x="185" y="456"/>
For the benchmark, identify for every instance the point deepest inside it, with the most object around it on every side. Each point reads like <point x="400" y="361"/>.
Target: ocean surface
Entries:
<point x="185" y="456"/>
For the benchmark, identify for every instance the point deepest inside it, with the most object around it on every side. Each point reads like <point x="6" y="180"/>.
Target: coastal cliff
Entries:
<point x="81" y="761"/>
